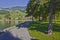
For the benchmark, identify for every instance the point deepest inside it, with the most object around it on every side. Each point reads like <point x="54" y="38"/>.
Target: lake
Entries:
<point x="6" y="24"/>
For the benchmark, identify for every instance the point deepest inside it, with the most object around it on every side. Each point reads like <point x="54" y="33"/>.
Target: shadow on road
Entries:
<point x="24" y="24"/>
<point x="8" y="36"/>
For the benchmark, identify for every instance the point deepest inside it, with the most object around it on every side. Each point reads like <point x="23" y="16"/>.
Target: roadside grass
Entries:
<point x="39" y="31"/>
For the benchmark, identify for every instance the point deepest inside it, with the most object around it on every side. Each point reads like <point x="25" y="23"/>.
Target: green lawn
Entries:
<point x="39" y="30"/>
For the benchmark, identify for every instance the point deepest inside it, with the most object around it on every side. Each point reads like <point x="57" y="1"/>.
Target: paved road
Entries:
<point x="17" y="33"/>
<point x="21" y="33"/>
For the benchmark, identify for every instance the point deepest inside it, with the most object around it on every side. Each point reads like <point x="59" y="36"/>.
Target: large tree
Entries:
<point x="54" y="9"/>
<point x="50" y="18"/>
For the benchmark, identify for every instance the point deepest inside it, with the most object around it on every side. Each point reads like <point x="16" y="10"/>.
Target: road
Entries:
<point x="17" y="33"/>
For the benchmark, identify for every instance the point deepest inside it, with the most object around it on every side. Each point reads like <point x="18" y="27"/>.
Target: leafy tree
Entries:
<point x="37" y="8"/>
<point x="54" y="8"/>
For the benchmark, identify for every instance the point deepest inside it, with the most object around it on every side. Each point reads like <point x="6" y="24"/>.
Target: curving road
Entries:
<point x="20" y="32"/>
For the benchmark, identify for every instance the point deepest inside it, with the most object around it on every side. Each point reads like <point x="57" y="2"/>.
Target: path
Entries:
<point x="21" y="33"/>
<point x="17" y="33"/>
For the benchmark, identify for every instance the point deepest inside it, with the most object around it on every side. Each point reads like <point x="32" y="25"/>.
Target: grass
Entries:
<point x="39" y="31"/>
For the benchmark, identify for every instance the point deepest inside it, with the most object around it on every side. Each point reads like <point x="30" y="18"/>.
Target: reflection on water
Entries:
<point x="6" y="24"/>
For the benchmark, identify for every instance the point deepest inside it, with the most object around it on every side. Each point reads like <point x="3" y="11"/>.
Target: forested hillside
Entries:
<point x="12" y="13"/>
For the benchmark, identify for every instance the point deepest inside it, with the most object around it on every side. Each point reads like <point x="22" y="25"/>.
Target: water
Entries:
<point x="6" y="24"/>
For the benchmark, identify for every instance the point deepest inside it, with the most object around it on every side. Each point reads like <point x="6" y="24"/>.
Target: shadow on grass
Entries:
<point x="8" y="36"/>
<point x="43" y="27"/>
<point x="56" y="27"/>
<point x="34" y="39"/>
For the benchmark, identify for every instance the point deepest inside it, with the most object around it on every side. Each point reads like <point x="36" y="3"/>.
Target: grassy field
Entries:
<point x="38" y="30"/>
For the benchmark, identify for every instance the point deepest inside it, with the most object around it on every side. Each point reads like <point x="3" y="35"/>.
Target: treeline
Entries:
<point x="10" y="14"/>
<point x="40" y="9"/>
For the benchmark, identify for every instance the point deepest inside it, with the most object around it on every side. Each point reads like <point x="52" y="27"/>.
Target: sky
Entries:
<point x="12" y="3"/>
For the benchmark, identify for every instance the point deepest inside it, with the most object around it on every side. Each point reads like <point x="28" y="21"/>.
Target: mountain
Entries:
<point x="19" y="7"/>
<point x="22" y="8"/>
<point x="5" y="10"/>
<point x="16" y="8"/>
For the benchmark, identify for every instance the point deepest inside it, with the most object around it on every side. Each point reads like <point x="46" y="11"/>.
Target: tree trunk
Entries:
<point x="50" y="18"/>
<point x="32" y="18"/>
<point x="39" y="17"/>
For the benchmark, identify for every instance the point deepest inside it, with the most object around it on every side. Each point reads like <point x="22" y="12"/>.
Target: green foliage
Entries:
<point x="4" y="11"/>
<point x="11" y="14"/>
<point x="40" y="8"/>
<point x="1" y="16"/>
<point x="37" y="8"/>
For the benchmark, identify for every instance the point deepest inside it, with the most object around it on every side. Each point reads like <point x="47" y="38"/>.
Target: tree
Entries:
<point x="37" y="8"/>
<point x="50" y="18"/>
<point x="54" y="9"/>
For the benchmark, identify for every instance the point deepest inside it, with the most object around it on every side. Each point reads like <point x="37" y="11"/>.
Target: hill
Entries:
<point x="21" y="8"/>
